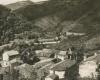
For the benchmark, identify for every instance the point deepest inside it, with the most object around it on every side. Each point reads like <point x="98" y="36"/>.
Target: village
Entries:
<point x="49" y="64"/>
<point x="50" y="40"/>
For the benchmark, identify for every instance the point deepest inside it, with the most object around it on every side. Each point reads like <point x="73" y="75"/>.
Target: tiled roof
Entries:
<point x="11" y="53"/>
<point x="94" y="58"/>
<point x="16" y="60"/>
<point x="62" y="53"/>
<point x="42" y="63"/>
<point x="61" y="66"/>
<point x="44" y="69"/>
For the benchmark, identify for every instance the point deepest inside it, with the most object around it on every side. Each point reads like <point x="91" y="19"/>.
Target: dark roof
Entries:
<point x="53" y="76"/>
<point x="44" y="69"/>
<point x="61" y="66"/>
<point x="42" y="63"/>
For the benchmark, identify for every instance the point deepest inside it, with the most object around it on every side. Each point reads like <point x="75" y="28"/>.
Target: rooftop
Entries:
<point x="95" y="58"/>
<point x="42" y="63"/>
<point x="62" y="53"/>
<point x="16" y="60"/>
<point x="11" y="53"/>
<point x="45" y="69"/>
<point x="61" y="66"/>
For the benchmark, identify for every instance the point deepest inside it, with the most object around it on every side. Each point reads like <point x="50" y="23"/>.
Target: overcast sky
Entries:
<point x="12" y="1"/>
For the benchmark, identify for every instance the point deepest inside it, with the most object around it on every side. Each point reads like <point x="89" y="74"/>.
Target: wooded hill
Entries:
<point x="48" y="19"/>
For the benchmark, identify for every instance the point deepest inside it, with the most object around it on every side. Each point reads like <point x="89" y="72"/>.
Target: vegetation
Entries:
<point x="49" y="19"/>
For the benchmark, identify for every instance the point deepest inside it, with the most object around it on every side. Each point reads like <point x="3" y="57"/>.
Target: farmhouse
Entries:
<point x="66" y="69"/>
<point x="44" y="71"/>
<point x="9" y="55"/>
<point x="88" y="67"/>
<point x="61" y="55"/>
<point x="45" y="53"/>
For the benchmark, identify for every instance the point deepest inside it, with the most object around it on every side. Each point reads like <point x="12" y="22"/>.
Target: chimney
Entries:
<point x="85" y="57"/>
<point x="95" y="54"/>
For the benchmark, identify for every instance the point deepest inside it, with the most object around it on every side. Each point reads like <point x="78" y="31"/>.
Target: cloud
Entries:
<point x="38" y="0"/>
<point x="13" y="1"/>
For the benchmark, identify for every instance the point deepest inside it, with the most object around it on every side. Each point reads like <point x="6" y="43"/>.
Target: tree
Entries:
<point x="28" y="56"/>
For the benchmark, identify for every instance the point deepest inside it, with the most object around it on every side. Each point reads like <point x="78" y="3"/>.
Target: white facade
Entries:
<point x="48" y="78"/>
<point x="5" y="57"/>
<point x="51" y="71"/>
<point x="75" y="34"/>
<point x="60" y="74"/>
<point x="5" y="64"/>
<point x="8" y="54"/>
<point x="61" y="55"/>
<point x="88" y="69"/>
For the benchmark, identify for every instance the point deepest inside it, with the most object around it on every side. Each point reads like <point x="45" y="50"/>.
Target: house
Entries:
<point x="7" y="71"/>
<point x="16" y="62"/>
<point x="42" y="63"/>
<point x="9" y="55"/>
<point x="87" y="68"/>
<point x="75" y="34"/>
<point x="45" y="40"/>
<point x="45" y="53"/>
<point x="44" y="71"/>
<point x="66" y="69"/>
<point x="4" y="72"/>
<point x="61" y="55"/>
<point x="42" y="68"/>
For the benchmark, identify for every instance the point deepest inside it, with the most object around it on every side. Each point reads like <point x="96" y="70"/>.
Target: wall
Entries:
<point x="5" y="57"/>
<point x="60" y="74"/>
<point x="87" y="69"/>
<point x="61" y="57"/>
<point x="47" y="78"/>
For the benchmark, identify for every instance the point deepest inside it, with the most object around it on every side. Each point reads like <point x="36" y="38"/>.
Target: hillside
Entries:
<point x="55" y="6"/>
<point x="14" y="26"/>
<point x="90" y="25"/>
<point x="20" y="4"/>
<point x="3" y="11"/>
<point x="55" y="14"/>
<point x="50" y="18"/>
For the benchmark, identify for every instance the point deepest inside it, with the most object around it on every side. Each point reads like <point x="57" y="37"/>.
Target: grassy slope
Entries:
<point x="56" y="15"/>
<point x="91" y="26"/>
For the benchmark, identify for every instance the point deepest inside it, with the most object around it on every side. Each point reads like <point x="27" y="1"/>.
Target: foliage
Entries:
<point x="28" y="56"/>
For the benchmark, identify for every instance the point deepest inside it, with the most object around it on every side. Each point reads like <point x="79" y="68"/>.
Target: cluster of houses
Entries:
<point x="53" y="65"/>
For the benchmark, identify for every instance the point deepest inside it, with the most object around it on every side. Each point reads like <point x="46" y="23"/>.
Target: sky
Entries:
<point x="4" y="2"/>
